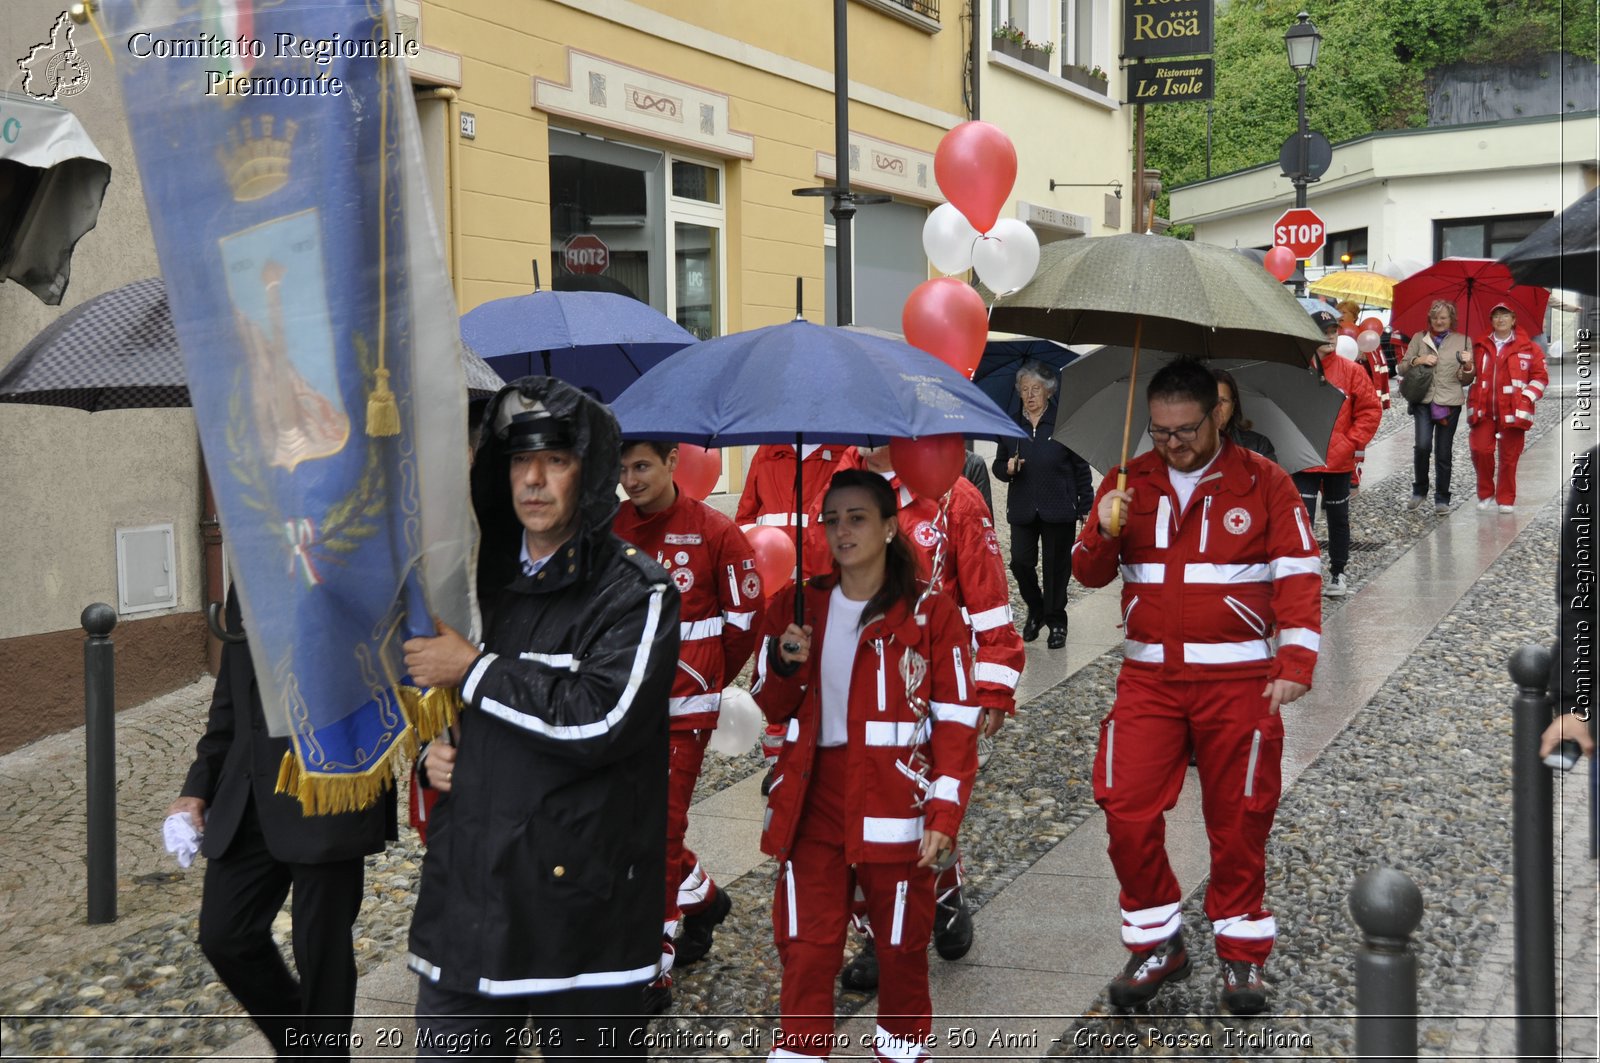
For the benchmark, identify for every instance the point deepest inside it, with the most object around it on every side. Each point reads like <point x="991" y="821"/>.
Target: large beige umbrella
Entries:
<point x="1171" y="295"/>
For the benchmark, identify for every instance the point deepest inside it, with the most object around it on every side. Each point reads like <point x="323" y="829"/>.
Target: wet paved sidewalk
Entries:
<point x="1046" y="943"/>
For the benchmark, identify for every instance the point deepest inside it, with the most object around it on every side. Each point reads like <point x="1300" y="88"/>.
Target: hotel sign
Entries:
<point x="1154" y="29"/>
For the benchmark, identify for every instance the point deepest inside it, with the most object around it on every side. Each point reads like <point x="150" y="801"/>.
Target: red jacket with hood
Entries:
<point x="1508" y="383"/>
<point x="1358" y="418"/>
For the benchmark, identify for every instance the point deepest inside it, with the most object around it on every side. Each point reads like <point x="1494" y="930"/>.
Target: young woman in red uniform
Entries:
<point x="879" y="710"/>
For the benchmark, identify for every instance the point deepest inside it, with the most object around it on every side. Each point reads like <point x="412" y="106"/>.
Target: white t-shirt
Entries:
<point x="839" y="641"/>
<point x="1184" y="483"/>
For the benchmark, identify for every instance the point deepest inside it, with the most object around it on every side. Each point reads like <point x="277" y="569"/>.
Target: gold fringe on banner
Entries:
<point x="428" y="713"/>
<point x="383" y="412"/>
<point x="327" y="795"/>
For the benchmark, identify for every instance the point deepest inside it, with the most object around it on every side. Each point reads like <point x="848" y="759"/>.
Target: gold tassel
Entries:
<point x="326" y="795"/>
<point x="430" y="711"/>
<point x="383" y="413"/>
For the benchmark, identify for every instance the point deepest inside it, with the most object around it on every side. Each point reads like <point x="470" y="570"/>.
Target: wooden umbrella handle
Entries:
<point x="1127" y="429"/>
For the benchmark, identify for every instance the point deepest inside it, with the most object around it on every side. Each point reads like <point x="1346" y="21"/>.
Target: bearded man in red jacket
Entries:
<point x="1221" y="607"/>
<point x="711" y="563"/>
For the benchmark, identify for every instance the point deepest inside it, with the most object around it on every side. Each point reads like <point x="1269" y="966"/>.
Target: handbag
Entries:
<point x="1416" y="384"/>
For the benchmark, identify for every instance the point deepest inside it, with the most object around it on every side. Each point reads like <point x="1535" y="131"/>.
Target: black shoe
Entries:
<point x="1058" y="638"/>
<point x="861" y="973"/>
<point x="658" y="995"/>
<point x="766" y="782"/>
<point x="1243" y="990"/>
<point x="1031" y="629"/>
<point x="695" y="941"/>
<point x="1147" y="972"/>
<point x="952" y="928"/>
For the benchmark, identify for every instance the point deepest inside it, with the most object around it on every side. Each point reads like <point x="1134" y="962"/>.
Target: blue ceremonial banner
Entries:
<point x="278" y="147"/>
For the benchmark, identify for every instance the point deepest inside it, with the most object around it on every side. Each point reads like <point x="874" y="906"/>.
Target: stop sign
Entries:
<point x="1301" y="231"/>
<point x="586" y="253"/>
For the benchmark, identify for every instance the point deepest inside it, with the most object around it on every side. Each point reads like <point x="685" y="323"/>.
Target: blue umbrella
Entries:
<point x="784" y="383"/>
<point x="775" y="384"/>
<point x="997" y="370"/>
<point x="598" y="341"/>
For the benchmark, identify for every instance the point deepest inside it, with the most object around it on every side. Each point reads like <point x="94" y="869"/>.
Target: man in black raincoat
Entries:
<point x="542" y="888"/>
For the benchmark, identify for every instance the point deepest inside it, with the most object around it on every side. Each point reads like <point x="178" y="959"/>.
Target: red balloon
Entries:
<point x="698" y="470"/>
<point x="1280" y="263"/>
<point x="975" y="166"/>
<point x="929" y="465"/>
<point x="774" y="550"/>
<point x="947" y="318"/>
<point x="1370" y="324"/>
<point x="1346" y="330"/>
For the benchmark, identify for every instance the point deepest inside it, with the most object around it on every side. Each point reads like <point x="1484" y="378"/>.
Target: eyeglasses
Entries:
<point x="1185" y="434"/>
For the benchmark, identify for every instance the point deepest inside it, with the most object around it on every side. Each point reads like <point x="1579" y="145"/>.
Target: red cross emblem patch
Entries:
<point x="925" y="535"/>
<point x="1237" y="520"/>
<point x="683" y="579"/>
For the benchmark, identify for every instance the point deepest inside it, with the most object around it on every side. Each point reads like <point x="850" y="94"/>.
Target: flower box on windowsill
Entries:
<point x="1033" y="56"/>
<point x="1079" y="76"/>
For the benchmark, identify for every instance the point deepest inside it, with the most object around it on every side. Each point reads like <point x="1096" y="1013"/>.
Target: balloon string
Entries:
<point x="913" y="668"/>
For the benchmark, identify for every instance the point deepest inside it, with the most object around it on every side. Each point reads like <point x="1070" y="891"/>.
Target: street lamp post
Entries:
<point x="1302" y="41"/>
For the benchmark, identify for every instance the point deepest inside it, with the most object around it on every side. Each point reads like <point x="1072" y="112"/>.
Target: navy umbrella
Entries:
<point x="599" y="341"/>
<point x="997" y="369"/>
<point x="785" y="383"/>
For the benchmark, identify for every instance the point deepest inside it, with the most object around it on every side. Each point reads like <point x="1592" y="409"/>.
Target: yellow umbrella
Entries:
<point x="1358" y="285"/>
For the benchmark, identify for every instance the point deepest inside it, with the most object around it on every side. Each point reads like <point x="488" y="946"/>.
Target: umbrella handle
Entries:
<point x="1116" y="504"/>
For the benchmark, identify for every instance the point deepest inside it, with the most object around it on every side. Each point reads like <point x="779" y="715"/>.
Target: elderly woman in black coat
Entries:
<point x="1051" y="489"/>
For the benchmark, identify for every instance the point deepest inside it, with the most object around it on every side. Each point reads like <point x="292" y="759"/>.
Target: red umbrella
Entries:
<point x="1475" y="285"/>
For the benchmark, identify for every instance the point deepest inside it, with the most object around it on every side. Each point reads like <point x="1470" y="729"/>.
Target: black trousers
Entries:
<point x="1049" y="603"/>
<point x="1335" y="490"/>
<point x="576" y="1024"/>
<point x="244" y="891"/>
<point x="1435" y="438"/>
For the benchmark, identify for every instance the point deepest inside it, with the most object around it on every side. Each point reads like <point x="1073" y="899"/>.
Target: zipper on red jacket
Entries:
<point x="883" y="701"/>
<point x="1205" y="522"/>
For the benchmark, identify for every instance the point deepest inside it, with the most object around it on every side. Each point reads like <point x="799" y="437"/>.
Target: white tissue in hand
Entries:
<point x="183" y="841"/>
<point x="738" y="724"/>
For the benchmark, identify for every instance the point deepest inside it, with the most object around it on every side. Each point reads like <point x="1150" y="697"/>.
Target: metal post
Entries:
<point x="1387" y="906"/>
<point x="1138" y="169"/>
<point x="100" y="742"/>
<point x="1302" y="164"/>
<point x="1533" y="857"/>
<point x="844" y="210"/>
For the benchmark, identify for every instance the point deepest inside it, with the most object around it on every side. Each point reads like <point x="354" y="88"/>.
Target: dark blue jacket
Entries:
<point x="1054" y="484"/>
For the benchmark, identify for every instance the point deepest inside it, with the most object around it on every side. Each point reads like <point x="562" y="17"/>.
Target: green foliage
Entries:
<point x="1370" y="74"/>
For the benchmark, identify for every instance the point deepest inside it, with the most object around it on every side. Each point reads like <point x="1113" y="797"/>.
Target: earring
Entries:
<point x="890" y="539"/>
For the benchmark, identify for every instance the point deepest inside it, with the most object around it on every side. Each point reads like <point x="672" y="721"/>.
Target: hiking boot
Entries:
<point x="861" y="973"/>
<point x="1147" y="972"/>
<point x="695" y="940"/>
<point x="952" y="928"/>
<point x="1243" y="990"/>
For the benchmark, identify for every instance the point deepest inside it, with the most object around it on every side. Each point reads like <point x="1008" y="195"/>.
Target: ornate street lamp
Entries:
<point x="1303" y="42"/>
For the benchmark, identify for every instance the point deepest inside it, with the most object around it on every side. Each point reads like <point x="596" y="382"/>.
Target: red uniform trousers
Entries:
<point x="1481" y="440"/>
<point x="689" y="887"/>
<point x="1138" y="774"/>
<point x="811" y="912"/>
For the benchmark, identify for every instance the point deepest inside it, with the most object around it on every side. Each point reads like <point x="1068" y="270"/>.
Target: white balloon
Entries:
<point x="947" y="237"/>
<point x="739" y="724"/>
<point x="1007" y="256"/>
<point x="1368" y="341"/>
<point x="1346" y="347"/>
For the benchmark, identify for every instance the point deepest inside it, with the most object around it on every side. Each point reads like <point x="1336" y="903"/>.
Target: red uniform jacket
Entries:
<point x="768" y="497"/>
<point x="1508" y="382"/>
<point x="1227" y="589"/>
<point x="975" y="577"/>
<point x="715" y="572"/>
<point x="885" y="823"/>
<point x="1358" y="418"/>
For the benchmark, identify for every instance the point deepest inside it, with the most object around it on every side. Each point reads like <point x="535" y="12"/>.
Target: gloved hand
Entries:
<point x="182" y="840"/>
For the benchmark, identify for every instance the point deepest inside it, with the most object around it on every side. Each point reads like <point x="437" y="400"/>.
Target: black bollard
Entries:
<point x="100" y="753"/>
<point x="1533" y="857"/>
<point x="1387" y="906"/>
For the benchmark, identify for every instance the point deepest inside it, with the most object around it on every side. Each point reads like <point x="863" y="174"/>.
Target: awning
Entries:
<point x="52" y="181"/>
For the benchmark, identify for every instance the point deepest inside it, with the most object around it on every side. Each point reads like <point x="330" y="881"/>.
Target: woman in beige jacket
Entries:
<point x="1449" y="354"/>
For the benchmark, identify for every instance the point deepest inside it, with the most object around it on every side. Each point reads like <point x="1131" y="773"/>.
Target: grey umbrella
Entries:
<point x="1157" y="292"/>
<point x="1564" y="252"/>
<point x="1295" y="408"/>
<point x="119" y="351"/>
